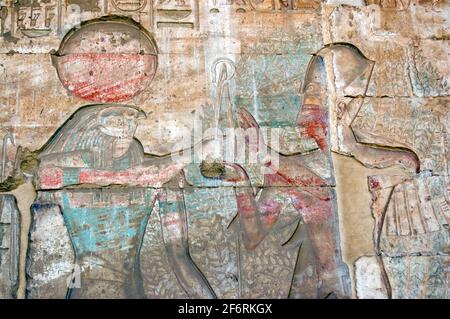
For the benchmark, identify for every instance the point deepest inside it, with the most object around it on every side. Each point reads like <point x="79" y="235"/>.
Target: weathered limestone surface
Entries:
<point x="9" y="247"/>
<point x="412" y="277"/>
<point x="350" y="98"/>
<point x="50" y="254"/>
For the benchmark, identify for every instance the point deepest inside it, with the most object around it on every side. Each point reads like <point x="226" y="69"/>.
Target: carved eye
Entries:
<point x="130" y="113"/>
<point x="311" y="88"/>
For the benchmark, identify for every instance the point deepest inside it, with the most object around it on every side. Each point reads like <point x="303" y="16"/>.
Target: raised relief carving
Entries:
<point x="390" y="4"/>
<point x="247" y="208"/>
<point x="9" y="227"/>
<point x="9" y="247"/>
<point x="417" y="124"/>
<point x="96" y="148"/>
<point x="295" y="4"/>
<point x="242" y="6"/>
<point x="411" y="234"/>
<point x="35" y="18"/>
<point x="129" y="6"/>
<point x="85" y="5"/>
<point x="258" y="216"/>
<point x="30" y="19"/>
<point x="96" y="74"/>
<point x="177" y="14"/>
<point x="3" y="17"/>
<point x="401" y="5"/>
<point x="428" y="79"/>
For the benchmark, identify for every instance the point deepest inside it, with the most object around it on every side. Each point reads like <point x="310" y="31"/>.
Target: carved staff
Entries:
<point x="223" y="70"/>
<point x="3" y="16"/>
<point x="8" y="137"/>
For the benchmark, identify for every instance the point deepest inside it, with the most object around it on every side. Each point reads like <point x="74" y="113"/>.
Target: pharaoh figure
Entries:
<point x="306" y="178"/>
<point x="95" y="171"/>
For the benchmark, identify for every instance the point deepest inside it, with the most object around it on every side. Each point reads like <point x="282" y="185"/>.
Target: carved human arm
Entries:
<point x="375" y="156"/>
<point x="290" y="141"/>
<point x="68" y="169"/>
<point x="54" y="177"/>
<point x="250" y="220"/>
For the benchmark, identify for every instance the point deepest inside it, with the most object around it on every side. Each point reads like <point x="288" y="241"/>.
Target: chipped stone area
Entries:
<point x="50" y="256"/>
<point x="9" y="247"/>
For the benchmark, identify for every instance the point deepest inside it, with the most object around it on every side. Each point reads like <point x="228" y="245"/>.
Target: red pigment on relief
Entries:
<point x="326" y="249"/>
<point x="373" y="183"/>
<point x="140" y="177"/>
<point x="282" y="179"/>
<point x="103" y="77"/>
<point x="247" y="120"/>
<point x="244" y="202"/>
<point x="317" y="213"/>
<point x="316" y="192"/>
<point x="270" y="210"/>
<point x="313" y="122"/>
<point x="171" y="222"/>
<point x="50" y="178"/>
<point x="111" y="93"/>
<point x="92" y="176"/>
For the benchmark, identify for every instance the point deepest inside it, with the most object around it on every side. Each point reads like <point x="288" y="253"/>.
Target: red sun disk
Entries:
<point x="106" y="77"/>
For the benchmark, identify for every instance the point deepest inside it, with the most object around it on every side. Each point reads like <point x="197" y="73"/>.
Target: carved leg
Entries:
<point x="175" y="236"/>
<point x="304" y="280"/>
<point x="317" y="207"/>
<point x="256" y="218"/>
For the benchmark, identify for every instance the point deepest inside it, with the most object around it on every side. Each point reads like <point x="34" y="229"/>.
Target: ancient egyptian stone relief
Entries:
<point x="246" y="205"/>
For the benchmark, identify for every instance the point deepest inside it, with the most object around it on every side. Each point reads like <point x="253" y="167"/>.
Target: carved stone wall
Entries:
<point x="222" y="148"/>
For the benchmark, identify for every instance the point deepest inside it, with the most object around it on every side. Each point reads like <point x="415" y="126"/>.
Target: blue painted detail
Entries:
<point x="171" y="207"/>
<point x="105" y="226"/>
<point x="266" y="84"/>
<point x="36" y="206"/>
<point x="70" y="176"/>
